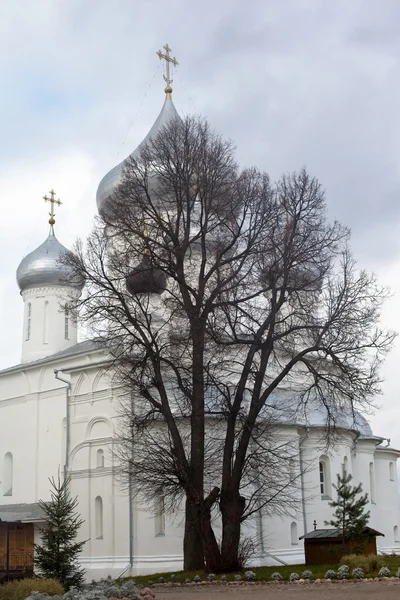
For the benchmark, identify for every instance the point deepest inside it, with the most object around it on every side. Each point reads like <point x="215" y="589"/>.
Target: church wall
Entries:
<point x="18" y="437"/>
<point x="387" y="507"/>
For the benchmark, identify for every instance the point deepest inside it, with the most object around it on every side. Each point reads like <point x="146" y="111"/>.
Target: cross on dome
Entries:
<point x="168" y="59"/>
<point x="52" y="201"/>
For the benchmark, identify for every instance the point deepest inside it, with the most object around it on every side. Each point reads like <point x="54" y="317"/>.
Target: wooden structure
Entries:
<point x="325" y="546"/>
<point x="17" y="539"/>
<point x="16" y="549"/>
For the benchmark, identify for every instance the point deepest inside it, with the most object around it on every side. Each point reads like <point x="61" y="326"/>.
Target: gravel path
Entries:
<point x="365" y="590"/>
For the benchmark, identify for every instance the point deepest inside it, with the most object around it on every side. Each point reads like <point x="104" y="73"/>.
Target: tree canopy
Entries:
<point x="257" y="310"/>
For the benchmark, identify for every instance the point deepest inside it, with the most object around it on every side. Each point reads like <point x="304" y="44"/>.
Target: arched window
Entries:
<point x="293" y="534"/>
<point x="372" y="482"/>
<point x="98" y="517"/>
<point x="8" y="474"/>
<point x="66" y="323"/>
<point x="160" y="517"/>
<point x="345" y="466"/>
<point x="324" y="477"/>
<point x="391" y="471"/>
<point x="28" y="322"/>
<point x="99" y="459"/>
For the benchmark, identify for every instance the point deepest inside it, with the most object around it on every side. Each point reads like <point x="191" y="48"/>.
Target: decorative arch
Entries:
<point x="83" y="377"/>
<point x="8" y="474"/>
<point x="101" y="376"/>
<point x="99" y="427"/>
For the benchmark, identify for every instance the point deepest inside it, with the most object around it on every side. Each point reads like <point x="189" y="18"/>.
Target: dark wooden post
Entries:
<point x="8" y="553"/>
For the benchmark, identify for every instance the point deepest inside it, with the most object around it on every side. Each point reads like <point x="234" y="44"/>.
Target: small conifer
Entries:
<point x="349" y="517"/>
<point x="56" y="556"/>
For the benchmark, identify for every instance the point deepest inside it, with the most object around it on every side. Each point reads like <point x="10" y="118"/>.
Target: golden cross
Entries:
<point x="52" y="201"/>
<point x="168" y="60"/>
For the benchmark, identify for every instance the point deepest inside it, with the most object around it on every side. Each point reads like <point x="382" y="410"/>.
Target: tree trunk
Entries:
<point x="232" y="506"/>
<point x="193" y="556"/>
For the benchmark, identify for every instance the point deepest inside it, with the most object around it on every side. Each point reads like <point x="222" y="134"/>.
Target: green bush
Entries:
<point x="19" y="590"/>
<point x="369" y="564"/>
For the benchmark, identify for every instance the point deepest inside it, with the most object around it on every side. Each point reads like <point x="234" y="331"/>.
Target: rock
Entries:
<point x="317" y="581"/>
<point x="147" y="592"/>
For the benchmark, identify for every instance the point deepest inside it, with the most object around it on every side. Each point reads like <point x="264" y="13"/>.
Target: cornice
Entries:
<point x="52" y="290"/>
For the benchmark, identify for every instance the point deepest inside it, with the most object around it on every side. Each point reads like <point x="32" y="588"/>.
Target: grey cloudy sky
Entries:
<point x="293" y="83"/>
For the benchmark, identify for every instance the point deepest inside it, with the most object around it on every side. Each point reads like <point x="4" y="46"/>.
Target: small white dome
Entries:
<point x="42" y="266"/>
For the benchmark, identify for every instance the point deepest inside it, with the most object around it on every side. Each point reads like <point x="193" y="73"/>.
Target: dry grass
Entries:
<point x="19" y="590"/>
<point x="369" y="564"/>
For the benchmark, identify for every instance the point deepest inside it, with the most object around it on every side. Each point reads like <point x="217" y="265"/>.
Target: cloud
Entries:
<point x="295" y="83"/>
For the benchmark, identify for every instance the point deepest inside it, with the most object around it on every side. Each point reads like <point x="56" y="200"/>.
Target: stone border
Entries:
<point x="176" y="584"/>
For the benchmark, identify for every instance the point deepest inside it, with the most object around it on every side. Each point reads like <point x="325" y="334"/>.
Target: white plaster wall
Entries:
<point x="32" y="421"/>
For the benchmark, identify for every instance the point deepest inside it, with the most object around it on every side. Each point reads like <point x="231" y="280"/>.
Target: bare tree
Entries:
<point x="228" y="304"/>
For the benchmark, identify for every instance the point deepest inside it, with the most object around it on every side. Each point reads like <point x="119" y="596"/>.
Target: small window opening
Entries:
<point x="66" y="323"/>
<point x="8" y="474"/>
<point x="372" y="482"/>
<point x="293" y="534"/>
<point x="100" y="459"/>
<point x="29" y="321"/>
<point x="322" y="477"/>
<point x="160" y="517"/>
<point x="391" y="471"/>
<point x="98" y="515"/>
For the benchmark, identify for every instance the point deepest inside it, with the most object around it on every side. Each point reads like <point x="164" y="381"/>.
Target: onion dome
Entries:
<point x="168" y="113"/>
<point x="42" y="267"/>
<point x="113" y="178"/>
<point x="146" y="278"/>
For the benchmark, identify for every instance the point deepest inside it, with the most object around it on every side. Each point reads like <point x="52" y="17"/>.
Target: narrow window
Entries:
<point x="8" y="474"/>
<point x="98" y="516"/>
<point x="100" y="459"/>
<point x="293" y="534"/>
<point x="66" y="323"/>
<point x="28" y="323"/>
<point x="322" y="477"/>
<point x="160" y="517"/>
<point x="372" y="482"/>
<point x="45" y="321"/>
<point x="345" y="465"/>
<point x="391" y="471"/>
<point x="396" y="534"/>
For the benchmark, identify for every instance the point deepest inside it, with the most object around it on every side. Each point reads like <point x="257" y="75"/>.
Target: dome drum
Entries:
<point x="146" y="278"/>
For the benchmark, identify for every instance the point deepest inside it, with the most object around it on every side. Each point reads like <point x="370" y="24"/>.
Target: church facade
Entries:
<point x="59" y="413"/>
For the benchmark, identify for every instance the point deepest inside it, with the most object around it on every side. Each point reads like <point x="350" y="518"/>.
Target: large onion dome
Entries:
<point x="146" y="278"/>
<point x="113" y="178"/>
<point x="42" y="267"/>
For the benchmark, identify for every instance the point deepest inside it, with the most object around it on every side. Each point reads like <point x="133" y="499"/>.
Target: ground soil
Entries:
<point x="350" y="590"/>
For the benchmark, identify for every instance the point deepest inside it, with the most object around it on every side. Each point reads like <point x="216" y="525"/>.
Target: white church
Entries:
<point x="59" y="411"/>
